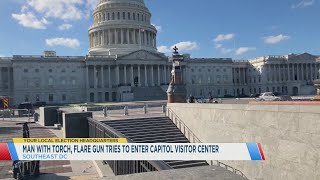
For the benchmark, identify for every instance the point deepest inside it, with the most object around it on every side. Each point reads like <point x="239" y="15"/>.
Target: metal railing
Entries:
<point x="16" y="114"/>
<point x="98" y="129"/>
<point x="194" y="139"/>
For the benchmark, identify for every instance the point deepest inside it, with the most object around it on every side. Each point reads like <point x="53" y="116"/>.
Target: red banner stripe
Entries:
<point x="261" y="152"/>
<point x="4" y="152"/>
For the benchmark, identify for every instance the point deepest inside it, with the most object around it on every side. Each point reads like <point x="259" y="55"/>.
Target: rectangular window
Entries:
<point x="26" y="98"/>
<point x="64" y="97"/>
<point x="50" y="97"/>
<point x="37" y="97"/>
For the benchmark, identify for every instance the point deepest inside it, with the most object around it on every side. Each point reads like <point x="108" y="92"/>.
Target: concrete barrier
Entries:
<point x="76" y="125"/>
<point x="289" y="135"/>
<point x="48" y="116"/>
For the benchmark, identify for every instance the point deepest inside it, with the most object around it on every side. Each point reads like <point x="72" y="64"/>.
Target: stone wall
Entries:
<point x="289" y="135"/>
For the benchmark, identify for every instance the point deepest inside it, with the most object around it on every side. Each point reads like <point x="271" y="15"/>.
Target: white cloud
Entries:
<point x="243" y="50"/>
<point x="186" y="46"/>
<point x="224" y="37"/>
<point x="226" y="50"/>
<point x="91" y="4"/>
<point x="65" y="10"/>
<point x="217" y="46"/>
<point x="303" y="3"/>
<point x="164" y="49"/>
<point x="30" y="20"/>
<point x="159" y="28"/>
<point x="275" y="39"/>
<point x="64" y="27"/>
<point x="68" y="42"/>
<point x="61" y="9"/>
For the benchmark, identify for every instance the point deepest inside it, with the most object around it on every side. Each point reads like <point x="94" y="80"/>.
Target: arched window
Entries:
<point x="113" y="16"/>
<point x="141" y="17"/>
<point x="104" y="16"/>
<point x="134" y="16"/>
<point x="108" y="16"/>
<point x="138" y="17"/>
<point x="129" y="16"/>
<point x="118" y="16"/>
<point x="123" y="15"/>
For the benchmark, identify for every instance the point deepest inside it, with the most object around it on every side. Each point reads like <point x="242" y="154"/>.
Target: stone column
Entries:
<point x="99" y="38"/>
<point x="311" y="73"/>
<point x="128" y="36"/>
<point x="132" y="76"/>
<point x="106" y="37"/>
<point x="316" y="71"/>
<point x="116" y="36"/>
<point x="299" y="71"/>
<point x="146" y="75"/>
<point x="87" y="77"/>
<point x="117" y="75"/>
<point x="139" y="76"/>
<point x="293" y="72"/>
<point x="109" y="37"/>
<point x="279" y="72"/>
<point x="139" y="37"/>
<point x="122" y="38"/>
<point x="109" y="76"/>
<point x="9" y="80"/>
<point x="159" y="80"/>
<point x="303" y="74"/>
<point x="95" y="79"/>
<point x="152" y="76"/>
<point x="288" y="78"/>
<point x="145" y="38"/>
<point x="165" y="74"/>
<point x="103" y="35"/>
<point x="125" y="73"/>
<point x="239" y="69"/>
<point x="90" y="41"/>
<point x="134" y="36"/>
<point x="102" y="77"/>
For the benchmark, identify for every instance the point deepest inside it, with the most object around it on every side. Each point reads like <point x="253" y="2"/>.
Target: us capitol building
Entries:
<point x="123" y="65"/>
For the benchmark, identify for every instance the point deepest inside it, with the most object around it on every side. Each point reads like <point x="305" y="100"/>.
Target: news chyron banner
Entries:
<point x="119" y="149"/>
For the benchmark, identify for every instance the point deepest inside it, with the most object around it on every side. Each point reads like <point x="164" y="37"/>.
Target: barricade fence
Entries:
<point x="17" y="114"/>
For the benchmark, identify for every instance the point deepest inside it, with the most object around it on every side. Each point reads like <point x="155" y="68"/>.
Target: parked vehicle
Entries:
<point x="254" y="95"/>
<point x="285" y="98"/>
<point x="25" y="108"/>
<point x="268" y="96"/>
<point x="40" y="104"/>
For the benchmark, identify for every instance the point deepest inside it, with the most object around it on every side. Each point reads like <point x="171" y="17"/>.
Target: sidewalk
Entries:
<point x="48" y="169"/>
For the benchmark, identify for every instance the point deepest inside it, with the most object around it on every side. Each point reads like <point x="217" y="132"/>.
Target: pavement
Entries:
<point x="48" y="169"/>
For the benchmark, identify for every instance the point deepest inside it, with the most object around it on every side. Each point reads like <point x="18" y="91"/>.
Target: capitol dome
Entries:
<point x="121" y="27"/>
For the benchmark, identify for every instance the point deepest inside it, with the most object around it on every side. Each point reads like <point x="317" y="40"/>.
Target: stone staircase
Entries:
<point x="148" y="93"/>
<point x="154" y="130"/>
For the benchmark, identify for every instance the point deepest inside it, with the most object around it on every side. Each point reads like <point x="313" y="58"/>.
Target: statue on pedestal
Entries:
<point x="176" y="92"/>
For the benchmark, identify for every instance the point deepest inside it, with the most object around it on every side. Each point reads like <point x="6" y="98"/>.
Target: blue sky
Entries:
<point x="239" y="29"/>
